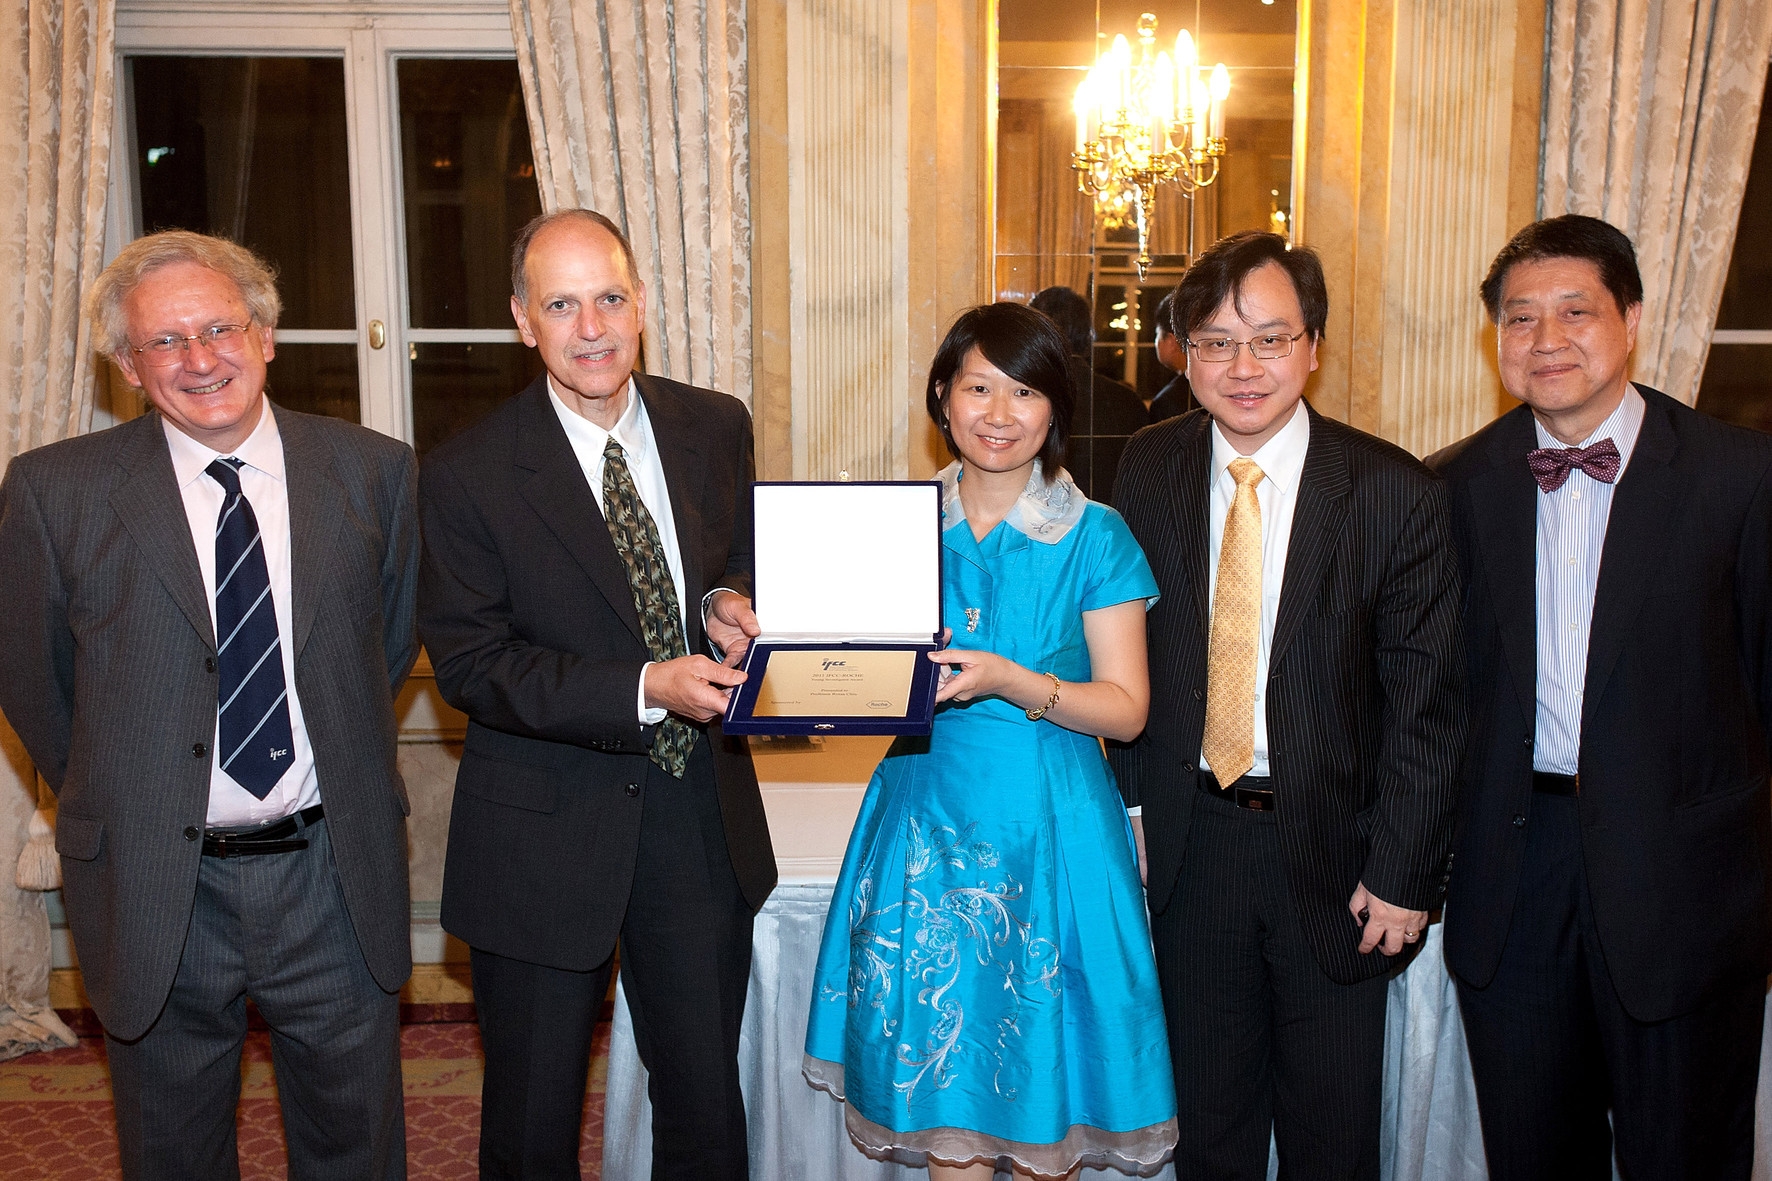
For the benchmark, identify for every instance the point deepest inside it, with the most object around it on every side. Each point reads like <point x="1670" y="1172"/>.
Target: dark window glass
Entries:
<point x="1736" y="387"/>
<point x="1747" y="293"/>
<point x="316" y="379"/>
<point x="455" y="384"/>
<point x="469" y="185"/>
<point x="253" y="149"/>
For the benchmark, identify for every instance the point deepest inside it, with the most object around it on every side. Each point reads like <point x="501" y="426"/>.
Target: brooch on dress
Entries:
<point x="972" y="619"/>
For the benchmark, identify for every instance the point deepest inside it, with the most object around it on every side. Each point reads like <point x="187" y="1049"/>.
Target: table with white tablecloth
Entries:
<point x="1430" y="1130"/>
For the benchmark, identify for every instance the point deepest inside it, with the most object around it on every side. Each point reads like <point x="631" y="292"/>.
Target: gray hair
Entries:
<point x="526" y="235"/>
<point x="254" y="277"/>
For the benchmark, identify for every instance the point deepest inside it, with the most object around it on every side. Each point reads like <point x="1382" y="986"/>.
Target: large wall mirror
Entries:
<point x="1048" y="233"/>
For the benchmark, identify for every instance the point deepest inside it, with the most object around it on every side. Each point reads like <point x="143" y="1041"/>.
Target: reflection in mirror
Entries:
<point x="1048" y="233"/>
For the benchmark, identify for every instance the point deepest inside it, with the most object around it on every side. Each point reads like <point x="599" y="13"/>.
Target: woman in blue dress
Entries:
<point x="985" y="992"/>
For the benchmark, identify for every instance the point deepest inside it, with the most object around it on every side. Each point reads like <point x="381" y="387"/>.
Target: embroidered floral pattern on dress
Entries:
<point x="940" y="941"/>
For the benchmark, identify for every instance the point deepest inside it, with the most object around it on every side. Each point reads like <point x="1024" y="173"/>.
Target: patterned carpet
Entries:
<point x="55" y="1110"/>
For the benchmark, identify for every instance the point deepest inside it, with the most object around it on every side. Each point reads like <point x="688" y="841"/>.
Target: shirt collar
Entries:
<point x="262" y="450"/>
<point x="633" y="430"/>
<point x="1281" y="458"/>
<point x="1622" y="426"/>
<point x="1045" y="511"/>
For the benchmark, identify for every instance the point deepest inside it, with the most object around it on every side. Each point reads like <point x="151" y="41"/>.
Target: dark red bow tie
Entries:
<point x="1551" y="465"/>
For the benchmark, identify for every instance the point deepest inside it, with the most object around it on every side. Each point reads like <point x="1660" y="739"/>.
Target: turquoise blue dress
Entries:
<point x="985" y="986"/>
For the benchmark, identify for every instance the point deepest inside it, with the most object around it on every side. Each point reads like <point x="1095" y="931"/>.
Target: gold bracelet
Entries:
<point x="1035" y="715"/>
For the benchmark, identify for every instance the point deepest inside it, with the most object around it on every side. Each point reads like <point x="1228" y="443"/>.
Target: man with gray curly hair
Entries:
<point x="211" y="612"/>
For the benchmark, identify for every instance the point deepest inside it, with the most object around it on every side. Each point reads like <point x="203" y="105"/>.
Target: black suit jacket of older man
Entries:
<point x="526" y="611"/>
<point x="1365" y="720"/>
<point x="1676" y="822"/>
<point x="107" y="659"/>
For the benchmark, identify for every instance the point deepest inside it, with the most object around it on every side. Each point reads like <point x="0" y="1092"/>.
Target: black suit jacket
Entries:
<point x="1107" y="413"/>
<point x="1676" y="821"/>
<point x="1365" y="720"/>
<point x="107" y="672"/>
<point x="526" y="611"/>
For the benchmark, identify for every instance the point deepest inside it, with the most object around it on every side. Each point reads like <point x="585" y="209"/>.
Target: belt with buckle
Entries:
<point x="276" y="837"/>
<point x="1556" y="785"/>
<point x="1251" y="792"/>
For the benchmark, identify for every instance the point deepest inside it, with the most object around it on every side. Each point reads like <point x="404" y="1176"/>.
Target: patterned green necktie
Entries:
<point x="655" y="596"/>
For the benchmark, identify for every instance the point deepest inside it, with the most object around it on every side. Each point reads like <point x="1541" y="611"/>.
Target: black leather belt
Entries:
<point x="1556" y="785"/>
<point x="1251" y="792"/>
<point x="276" y="837"/>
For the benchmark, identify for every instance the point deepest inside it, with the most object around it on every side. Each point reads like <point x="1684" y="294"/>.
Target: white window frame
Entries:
<point x="369" y="36"/>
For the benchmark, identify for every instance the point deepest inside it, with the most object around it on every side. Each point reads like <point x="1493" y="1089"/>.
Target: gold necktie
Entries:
<point x="1229" y="744"/>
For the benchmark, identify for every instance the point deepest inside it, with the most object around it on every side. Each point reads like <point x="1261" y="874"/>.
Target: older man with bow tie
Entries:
<point x="1609" y="920"/>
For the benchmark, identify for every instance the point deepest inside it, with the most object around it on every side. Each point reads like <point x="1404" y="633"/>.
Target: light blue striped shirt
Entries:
<point x="1571" y="536"/>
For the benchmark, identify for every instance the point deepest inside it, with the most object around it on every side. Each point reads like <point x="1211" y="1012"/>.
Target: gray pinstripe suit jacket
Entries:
<point x="106" y="672"/>
<point x="1365" y="708"/>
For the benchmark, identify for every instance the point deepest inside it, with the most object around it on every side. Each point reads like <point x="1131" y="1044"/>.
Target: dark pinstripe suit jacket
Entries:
<point x="107" y="673"/>
<point x="1365" y="715"/>
<point x="1676" y="830"/>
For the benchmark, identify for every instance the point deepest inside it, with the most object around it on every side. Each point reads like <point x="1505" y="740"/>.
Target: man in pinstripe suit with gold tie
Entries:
<point x="1295" y="783"/>
<point x="211" y="610"/>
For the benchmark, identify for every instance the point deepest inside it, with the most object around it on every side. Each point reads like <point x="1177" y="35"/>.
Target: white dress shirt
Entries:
<point x="1281" y="460"/>
<point x="1571" y="536"/>
<point x="263" y="484"/>
<point x="633" y="430"/>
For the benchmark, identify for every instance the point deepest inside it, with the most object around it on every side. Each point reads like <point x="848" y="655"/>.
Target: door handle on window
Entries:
<point x="378" y="334"/>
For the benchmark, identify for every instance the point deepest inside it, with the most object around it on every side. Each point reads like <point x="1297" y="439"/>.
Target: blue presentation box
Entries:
<point x="848" y="593"/>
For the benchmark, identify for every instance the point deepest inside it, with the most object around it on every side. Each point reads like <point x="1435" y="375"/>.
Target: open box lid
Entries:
<point x="847" y="562"/>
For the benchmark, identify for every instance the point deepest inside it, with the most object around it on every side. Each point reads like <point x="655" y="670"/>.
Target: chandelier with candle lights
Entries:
<point x="1149" y="122"/>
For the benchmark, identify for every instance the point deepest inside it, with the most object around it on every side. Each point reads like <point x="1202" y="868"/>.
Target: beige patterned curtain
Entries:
<point x="1649" y="116"/>
<point x="56" y="78"/>
<point x="637" y="109"/>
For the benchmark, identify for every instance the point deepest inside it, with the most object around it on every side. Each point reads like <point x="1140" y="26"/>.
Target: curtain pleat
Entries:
<point x="1649" y="117"/>
<point x="637" y="109"/>
<point x="56" y="104"/>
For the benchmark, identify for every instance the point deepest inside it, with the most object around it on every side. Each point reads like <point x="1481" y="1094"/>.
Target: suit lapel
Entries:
<point x="675" y="435"/>
<point x="1506" y="529"/>
<point x="153" y="511"/>
<point x="556" y="490"/>
<point x="1317" y="520"/>
<point x="1639" y="533"/>
<point x="1190" y="485"/>
<point x="317" y="509"/>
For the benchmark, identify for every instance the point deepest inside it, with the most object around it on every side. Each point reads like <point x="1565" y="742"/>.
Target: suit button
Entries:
<point x="209" y="664"/>
<point x="1199" y="696"/>
<point x="191" y="833"/>
<point x="1519" y="822"/>
<point x="198" y="750"/>
<point x="1187" y="768"/>
<point x="1528" y="740"/>
<point x="633" y="790"/>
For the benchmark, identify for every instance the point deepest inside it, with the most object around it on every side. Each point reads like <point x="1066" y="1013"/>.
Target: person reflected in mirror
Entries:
<point x="1108" y="412"/>
<point x="1175" y="398"/>
<point x="985" y="995"/>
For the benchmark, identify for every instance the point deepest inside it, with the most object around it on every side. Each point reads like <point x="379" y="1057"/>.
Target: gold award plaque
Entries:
<point x="837" y="683"/>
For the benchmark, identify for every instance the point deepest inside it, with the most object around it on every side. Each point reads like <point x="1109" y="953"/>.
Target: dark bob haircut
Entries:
<point x="1569" y="236"/>
<point x="1219" y="271"/>
<point x="1025" y="345"/>
<point x="1070" y="312"/>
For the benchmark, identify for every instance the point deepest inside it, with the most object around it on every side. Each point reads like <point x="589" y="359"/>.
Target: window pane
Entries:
<point x="1734" y="385"/>
<point x="253" y="149"/>
<point x="469" y="186"/>
<point x="316" y="379"/>
<point x="455" y="384"/>
<point x="1747" y="294"/>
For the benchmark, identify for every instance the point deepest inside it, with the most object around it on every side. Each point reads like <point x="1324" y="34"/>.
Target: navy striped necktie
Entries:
<point x="254" y="701"/>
